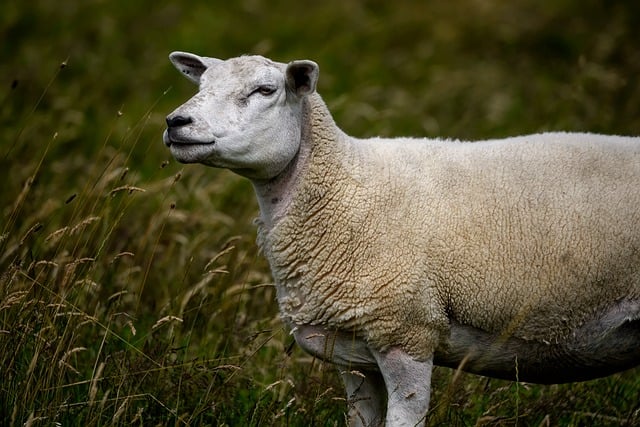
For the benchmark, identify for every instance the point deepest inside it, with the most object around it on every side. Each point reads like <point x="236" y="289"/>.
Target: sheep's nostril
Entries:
<point x="177" y="121"/>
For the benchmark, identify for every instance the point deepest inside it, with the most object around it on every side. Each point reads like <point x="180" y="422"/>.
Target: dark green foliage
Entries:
<point x="131" y="290"/>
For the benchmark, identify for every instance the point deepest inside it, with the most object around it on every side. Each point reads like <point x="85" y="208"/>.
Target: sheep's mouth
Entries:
<point x="174" y="142"/>
<point x="172" y="139"/>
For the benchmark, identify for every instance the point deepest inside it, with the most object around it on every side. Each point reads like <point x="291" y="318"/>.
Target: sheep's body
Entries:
<point x="528" y="237"/>
<point x="513" y="256"/>
<point x="493" y="234"/>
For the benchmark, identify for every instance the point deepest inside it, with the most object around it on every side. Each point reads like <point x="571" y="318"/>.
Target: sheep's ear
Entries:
<point x="192" y="66"/>
<point x="302" y="76"/>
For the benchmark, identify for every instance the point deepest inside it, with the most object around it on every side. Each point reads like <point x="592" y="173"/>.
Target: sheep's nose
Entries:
<point x="177" y="121"/>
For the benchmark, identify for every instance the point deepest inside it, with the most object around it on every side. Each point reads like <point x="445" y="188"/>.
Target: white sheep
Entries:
<point x="515" y="258"/>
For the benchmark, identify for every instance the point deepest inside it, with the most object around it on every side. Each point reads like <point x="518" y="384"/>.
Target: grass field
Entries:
<point x="131" y="290"/>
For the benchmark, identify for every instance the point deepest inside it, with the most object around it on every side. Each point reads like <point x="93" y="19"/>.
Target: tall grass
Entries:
<point x="131" y="291"/>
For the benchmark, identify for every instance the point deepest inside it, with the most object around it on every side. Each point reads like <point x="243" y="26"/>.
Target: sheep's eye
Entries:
<point x="265" y="90"/>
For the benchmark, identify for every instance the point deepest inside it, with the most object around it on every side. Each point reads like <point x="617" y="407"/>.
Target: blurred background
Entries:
<point x="131" y="288"/>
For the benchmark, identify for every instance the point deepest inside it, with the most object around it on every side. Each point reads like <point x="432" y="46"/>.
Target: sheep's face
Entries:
<point x="246" y="116"/>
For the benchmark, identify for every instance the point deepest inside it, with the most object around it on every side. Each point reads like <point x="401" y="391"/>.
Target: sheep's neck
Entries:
<point x="321" y="141"/>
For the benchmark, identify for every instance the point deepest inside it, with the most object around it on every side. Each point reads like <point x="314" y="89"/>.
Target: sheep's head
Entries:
<point x="246" y="117"/>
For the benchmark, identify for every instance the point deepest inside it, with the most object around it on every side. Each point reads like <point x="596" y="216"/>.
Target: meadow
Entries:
<point x="131" y="289"/>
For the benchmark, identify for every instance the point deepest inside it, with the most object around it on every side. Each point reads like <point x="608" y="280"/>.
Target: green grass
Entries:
<point x="131" y="290"/>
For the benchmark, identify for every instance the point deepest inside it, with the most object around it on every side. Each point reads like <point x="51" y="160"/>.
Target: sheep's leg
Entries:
<point x="408" y="384"/>
<point x="365" y="386"/>
<point x="366" y="397"/>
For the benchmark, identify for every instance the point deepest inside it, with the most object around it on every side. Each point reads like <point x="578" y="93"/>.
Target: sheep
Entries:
<point x="514" y="258"/>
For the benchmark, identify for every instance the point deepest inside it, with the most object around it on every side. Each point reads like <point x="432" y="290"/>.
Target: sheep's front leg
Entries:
<point x="408" y="384"/>
<point x="365" y="387"/>
<point x="365" y="396"/>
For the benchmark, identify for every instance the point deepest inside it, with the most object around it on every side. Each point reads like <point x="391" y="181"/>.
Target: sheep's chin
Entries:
<point x="192" y="153"/>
